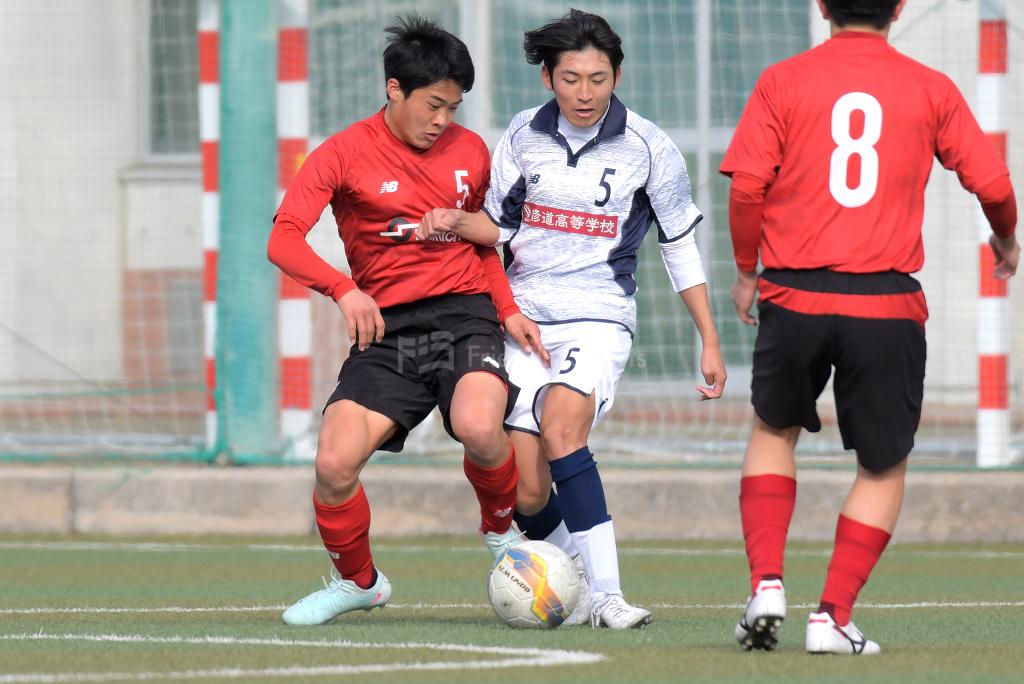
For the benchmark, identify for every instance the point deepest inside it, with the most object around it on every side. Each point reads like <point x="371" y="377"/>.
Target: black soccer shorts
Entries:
<point x="879" y="378"/>
<point x="428" y="346"/>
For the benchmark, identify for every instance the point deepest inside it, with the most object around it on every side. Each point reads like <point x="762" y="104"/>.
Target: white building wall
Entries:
<point x="8" y="215"/>
<point x="71" y="83"/>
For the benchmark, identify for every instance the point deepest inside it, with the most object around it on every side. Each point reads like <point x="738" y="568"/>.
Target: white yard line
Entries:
<point x="160" y="547"/>
<point x="504" y="657"/>
<point x="71" y="610"/>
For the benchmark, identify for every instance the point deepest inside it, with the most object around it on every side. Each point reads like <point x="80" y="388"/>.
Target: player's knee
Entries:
<point x="337" y="465"/>
<point x="478" y="431"/>
<point x="562" y="437"/>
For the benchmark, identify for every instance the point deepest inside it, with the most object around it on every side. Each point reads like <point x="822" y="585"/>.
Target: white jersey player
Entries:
<point x="576" y="185"/>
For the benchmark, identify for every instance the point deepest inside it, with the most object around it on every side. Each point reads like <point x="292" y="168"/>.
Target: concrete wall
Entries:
<point x="418" y="500"/>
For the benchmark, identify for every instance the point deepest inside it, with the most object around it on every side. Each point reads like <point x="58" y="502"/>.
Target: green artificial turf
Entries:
<point x="208" y="609"/>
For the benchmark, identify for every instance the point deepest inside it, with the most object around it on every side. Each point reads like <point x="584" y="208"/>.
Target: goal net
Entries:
<point x="109" y="168"/>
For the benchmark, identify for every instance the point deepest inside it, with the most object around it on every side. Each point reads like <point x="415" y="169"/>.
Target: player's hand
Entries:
<point x="1007" y="252"/>
<point x="438" y="221"/>
<point x="365" y="324"/>
<point x="526" y="334"/>
<point x="712" y="367"/>
<point x="744" y="291"/>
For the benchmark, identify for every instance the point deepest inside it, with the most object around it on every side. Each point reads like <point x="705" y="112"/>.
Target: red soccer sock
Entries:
<point x="345" y="530"/>
<point x="858" y="547"/>
<point x="496" y="492"/>
<point x="766" y="507"/>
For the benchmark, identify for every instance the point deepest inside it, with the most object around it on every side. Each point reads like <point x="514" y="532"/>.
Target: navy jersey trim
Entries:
<point x="522" y="429"/>
<point x="623" y="258"/>
<point x="661" y="233"/>
<point x="614" y="124"/>
<point x="512" y="206"/>
<point x="588" y="320"/>
<point x="488" y="214"/>
<point x="544" y="388"/>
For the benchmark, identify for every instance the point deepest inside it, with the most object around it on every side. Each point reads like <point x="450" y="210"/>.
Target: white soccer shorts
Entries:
<point x="586" y="356"/>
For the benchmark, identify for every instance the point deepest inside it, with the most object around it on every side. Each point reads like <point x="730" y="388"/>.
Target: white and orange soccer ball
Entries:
<point x="533" y="586"/>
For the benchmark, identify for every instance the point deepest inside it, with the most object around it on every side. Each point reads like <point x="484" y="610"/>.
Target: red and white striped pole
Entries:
<point x="993" y="426"/>
<point x="209" y="139"/>
<point x="294" y="317"/>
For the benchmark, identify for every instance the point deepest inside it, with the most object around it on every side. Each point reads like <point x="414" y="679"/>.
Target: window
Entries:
<point x="346" y="47"/>
<point x="171" y="83"/>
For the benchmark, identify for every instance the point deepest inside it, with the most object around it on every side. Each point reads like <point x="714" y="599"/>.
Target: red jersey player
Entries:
<point x="829" y="165"/>
<point x="425" y="331"/>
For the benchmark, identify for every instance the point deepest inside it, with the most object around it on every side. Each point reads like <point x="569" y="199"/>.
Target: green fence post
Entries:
<point x="246" y="282"/>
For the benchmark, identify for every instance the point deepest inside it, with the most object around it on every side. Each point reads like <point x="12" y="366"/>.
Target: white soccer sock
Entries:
<point x="561" y="538"/>
<point x="601" y="556"/>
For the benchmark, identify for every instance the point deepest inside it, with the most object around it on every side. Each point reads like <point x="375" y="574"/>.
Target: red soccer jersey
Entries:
<point x="375" y="183"/>
<point x="843" y="137"/>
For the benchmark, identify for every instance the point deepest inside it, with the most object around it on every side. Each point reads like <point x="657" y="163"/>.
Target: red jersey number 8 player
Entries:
<point x="829" y="165"/>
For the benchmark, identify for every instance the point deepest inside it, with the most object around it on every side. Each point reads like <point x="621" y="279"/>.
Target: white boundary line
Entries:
<point x="161" y="547"/>
<point x="71" y="610"/>
<point x="514" y="657"/>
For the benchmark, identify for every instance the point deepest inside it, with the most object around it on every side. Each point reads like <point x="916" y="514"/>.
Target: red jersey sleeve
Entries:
<point x="476" y="200"/>
<point x="310" y="191"/>
<point x="746" y="207"/>
<point x="963" y="147"/>
<point x="756" y="146"/>
<point x="497" y="283"/>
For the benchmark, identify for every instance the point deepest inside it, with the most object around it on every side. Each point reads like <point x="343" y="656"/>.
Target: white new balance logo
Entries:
<point x="388" y="186"/>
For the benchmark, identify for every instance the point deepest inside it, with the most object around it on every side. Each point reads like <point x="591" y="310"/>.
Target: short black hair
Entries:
<point x="875" y="13"/>
<point x="577" y="30"/>
<point x="419" y="53"/>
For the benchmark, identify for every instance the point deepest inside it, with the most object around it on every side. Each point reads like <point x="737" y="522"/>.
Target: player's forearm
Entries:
<point x="288" y="250"/>
<point x="477" y="227"/>
<point x="1000" y="206"/>
<point x="682" y="263"/>
<point x="746" y="206"/>
<point x="497" y="283"/>
<point x="696" y="301"/>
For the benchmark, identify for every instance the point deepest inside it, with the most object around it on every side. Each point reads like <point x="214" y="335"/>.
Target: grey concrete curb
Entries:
<point x="413" y="500"/>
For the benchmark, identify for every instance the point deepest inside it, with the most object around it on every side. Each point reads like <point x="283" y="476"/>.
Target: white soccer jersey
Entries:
<point x="572" y="223"/>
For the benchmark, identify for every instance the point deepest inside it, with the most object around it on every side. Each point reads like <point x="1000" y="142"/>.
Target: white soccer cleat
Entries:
<point x="825" y="636"/>
<point x="612" y="611"/>
<point x="762" y="619"/>
<point x="338" y="596"/>
<point x="581" y="613"/>
<point x="500" y="542"/>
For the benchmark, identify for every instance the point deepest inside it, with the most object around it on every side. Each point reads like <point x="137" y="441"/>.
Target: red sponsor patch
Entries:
<point x="596" y="225"/>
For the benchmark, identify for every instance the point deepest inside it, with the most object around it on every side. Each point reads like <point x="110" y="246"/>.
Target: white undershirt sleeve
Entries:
<point x="682" y="261"/>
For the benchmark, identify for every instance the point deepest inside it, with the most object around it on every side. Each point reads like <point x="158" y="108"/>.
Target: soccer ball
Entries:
<point x="533" y="586"/>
